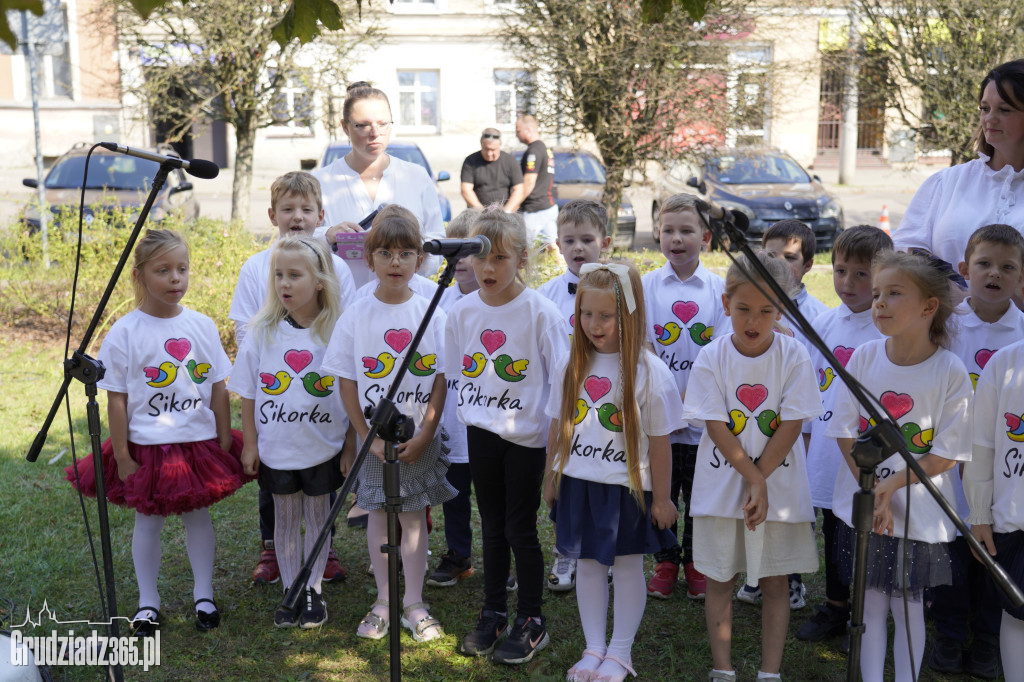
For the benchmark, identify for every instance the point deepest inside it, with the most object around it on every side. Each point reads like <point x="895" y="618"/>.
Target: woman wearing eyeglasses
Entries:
<point x="368" y="176"/>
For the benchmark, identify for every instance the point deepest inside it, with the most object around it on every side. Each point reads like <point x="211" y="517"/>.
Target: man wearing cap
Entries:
<point x="491" y="176"/>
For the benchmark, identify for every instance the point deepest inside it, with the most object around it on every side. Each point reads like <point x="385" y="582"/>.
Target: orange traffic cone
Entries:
<point x="883" y="220"/>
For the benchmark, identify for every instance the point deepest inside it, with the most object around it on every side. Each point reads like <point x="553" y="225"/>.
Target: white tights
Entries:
<point x="630" y="600"/>
<point x="1011" y="647"/>
<point x="413" y="548"/>
<point x="146" y="551"/>
<point x="876" y="636"/>
<point x="289" y="511"/>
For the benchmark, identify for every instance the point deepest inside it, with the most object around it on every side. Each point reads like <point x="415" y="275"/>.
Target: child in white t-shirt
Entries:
<point x="925" y="388"/>
<point x="684" y="309"/>
<point x="295" y="209"/>
<point x="292" y="417"/>
<point x="369" y="345"/>
<point x="457" y="563"/>
<point x="752" y="511"/>
<point x="608" y="462"/>
<point x="988" y="321"/>
<point x="582" y="238"/>
<point x="508" y="340"/>
<point x="171" y="448"/>
<point x="842" y="329"/>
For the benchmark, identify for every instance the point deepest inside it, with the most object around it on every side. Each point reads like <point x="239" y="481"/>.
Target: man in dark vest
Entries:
<point x="538" y="165"/>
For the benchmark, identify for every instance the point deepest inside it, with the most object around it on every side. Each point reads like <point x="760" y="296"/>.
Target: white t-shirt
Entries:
<point x="556" y="290"/>
<point x="994" y="488"/>
<point x="953" y="203"/>
<point x="300" y="420"/>
<point x="843" y="331"/>
<point x="975" y="343"/>
<point x="168" y="367"/>
<point x="931" y="404"/>
<point x="753" y="395"/>
<point x="681" y="317"/>
<point x="508" y="354"/>
<point x="251" y="290"/>
<point x="370" y="342"/>
<point x="403" y="183"/>
<point x="598" y="451"/>
<point x="419" y="284"/>
<point x="450" y="417"/>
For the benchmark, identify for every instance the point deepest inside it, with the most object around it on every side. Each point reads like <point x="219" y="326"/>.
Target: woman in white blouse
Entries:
<point x="956" y="201"/>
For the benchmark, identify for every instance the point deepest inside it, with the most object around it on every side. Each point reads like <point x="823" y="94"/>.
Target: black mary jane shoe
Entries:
<point x="145" y="627"/>
<point x="207" y="621"/>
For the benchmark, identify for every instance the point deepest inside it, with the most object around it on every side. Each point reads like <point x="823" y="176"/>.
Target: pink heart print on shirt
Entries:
<point x="493" y="339"/>
<point x="597" y="387"/>
<point x="983" y="356"/>
<point x="298" y="360"/>
<point x="752" y="395"/>
<point x="398" y="339"/>
<point x="842" y="354"/>
<point x="898" y="404"/>
<point x="178" y="348"/>
<point x="685" y="310"/>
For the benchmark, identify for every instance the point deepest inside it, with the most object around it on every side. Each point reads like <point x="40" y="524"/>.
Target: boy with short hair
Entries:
<point x="795" y="244"/>
<point x="993" y="266"/>
<point x="684" y="309"/>
<point x="582" y="238"/>
<point x="457" y="562"/>
<point x="295" y="208"/>
<point x="842" y="329"/>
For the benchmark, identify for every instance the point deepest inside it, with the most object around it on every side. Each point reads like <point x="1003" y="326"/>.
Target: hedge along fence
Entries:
<point x="39" y="298"/>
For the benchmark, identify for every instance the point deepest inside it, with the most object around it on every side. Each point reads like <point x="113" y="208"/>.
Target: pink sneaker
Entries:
<point x="663" y="581"/>
<point x="696" y="582"/>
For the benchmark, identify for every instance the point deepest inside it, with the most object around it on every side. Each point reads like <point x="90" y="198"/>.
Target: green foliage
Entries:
<point x="654" y="11"/>
<point x="35" y="297"/>
<point x="304" y="18"/>
<point x="6" y="35"/>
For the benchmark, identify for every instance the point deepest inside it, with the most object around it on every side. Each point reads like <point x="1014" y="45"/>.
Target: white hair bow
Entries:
<point x="621" y="273"/>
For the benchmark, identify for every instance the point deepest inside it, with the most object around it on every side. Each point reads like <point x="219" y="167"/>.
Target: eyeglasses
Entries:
<point x="403" y="256"/>
<point x="363" y="129"/>
<point x="490" y="136"/>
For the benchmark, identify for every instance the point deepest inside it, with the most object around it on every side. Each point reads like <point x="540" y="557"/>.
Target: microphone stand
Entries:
<point x="871" y="449"/>
<point x="387" y="423"/>
<point x="90" y="371"/>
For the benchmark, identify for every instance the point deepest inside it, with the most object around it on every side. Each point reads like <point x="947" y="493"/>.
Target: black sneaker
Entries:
<point x="451" y="570"/>
<point x="946" y="656"/>
<point x="283" y="618"/>
<point x="828" y="620"/>
<point x="314" y="611"/>
<point x="490" y="627"/>
<point x="983" y="658"/>
<point x="528" y="637"/>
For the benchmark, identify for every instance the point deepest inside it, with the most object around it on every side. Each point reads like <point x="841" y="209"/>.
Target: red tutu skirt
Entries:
<point x="171" y="479"/>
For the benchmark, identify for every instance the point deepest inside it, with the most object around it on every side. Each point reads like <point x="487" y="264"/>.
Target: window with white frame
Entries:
<point x="513" y="95"/>
<point x="419" y="101"/>
<point x="749" y="96"/>
<point x="52" y="58"/>
<point x="292" y="104"/>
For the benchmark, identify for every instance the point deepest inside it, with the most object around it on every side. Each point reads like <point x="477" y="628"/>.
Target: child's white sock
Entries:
<point x="1011" y="647"/>
<point x="917" y="637"/>
<point x="200" y="544"/>
<point x="315" y="509"/>
<point x="762" y="675"/>
<point x="146" y="554"/>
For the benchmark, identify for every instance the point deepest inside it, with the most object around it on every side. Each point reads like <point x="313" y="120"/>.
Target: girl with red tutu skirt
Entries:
<point x="171" y="448"/>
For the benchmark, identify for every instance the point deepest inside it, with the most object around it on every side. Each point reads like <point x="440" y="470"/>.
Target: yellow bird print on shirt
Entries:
<point x="275" y="384"/>
<point x="379" y="366"/>
<point x="161" y="376"/>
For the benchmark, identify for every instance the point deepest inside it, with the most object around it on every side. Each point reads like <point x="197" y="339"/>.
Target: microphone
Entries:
<point x="197" y="167"/>
<point x="737" y="219"/>
<point x="459" y="248"/>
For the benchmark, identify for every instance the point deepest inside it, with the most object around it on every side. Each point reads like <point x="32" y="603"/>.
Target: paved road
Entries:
<point x="862" y="201"/>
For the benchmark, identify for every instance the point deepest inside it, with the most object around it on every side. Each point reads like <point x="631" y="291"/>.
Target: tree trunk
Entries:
<point x="241" y="186"/>
<point x="612" y="199"/>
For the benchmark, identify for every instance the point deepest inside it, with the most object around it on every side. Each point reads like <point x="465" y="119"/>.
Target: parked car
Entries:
<point x="764" y="184"/>
<point x="406" y="151"/>
<point x="117" y="179"/>
<point x="580" y="175"/>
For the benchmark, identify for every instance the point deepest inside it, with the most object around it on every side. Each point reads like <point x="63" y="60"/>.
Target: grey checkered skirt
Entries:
<point x="421" y="484"/>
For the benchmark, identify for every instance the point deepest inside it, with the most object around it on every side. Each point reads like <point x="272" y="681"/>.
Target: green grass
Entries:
<point x="44" y="555"/>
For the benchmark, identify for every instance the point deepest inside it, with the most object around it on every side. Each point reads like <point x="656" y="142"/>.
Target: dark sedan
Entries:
<point x="765" y="185"/>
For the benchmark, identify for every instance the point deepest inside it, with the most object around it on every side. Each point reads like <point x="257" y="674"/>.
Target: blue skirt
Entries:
<point x="894" y="562"/>
<point x="601" y="521"/>
<point x="1010" y="555"/>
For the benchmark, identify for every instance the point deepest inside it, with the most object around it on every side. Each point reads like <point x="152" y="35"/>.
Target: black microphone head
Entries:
<point x="201" y="168"/>
<point x="109" y="146"/>
<point x="486" y="246"/>
<point x="740" y="220"/>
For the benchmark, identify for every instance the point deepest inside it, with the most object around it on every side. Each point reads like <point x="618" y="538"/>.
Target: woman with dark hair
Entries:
<point x="950" y="205"/>
<point x="368" y="176"/>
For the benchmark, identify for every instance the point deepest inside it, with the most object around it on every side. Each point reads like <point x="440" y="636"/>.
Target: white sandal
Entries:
<point x="427" y="628"/>
<point x="380" y="626"/>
